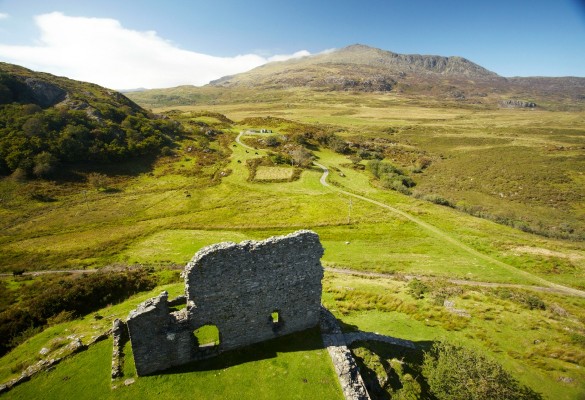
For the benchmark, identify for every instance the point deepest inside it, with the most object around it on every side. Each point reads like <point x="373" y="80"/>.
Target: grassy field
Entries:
<point x="273" y="173"/>
<point x="201" y="194"/>
<point x="518" y="166"/>
<point x="537" y="337"/>
<point x="291" y="367"/>
<point x="543" y="348"/>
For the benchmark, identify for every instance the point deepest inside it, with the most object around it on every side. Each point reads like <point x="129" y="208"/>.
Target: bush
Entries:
<point x="64" y="299"/>
<point x="97" y="180"/>
<point x="455" y="372"/>
<point x="272" y="141"/>
<point x="534" y="302"/>
<point x="390" y="177"/>
<point x="417" y="288"/>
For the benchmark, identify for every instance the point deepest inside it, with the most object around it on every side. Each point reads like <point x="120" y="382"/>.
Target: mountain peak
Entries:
<point x="357" y="67"/>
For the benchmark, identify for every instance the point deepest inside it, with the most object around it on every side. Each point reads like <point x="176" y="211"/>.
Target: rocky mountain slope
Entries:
<point x="356" y="67"/>
<point x="360" y="68"/>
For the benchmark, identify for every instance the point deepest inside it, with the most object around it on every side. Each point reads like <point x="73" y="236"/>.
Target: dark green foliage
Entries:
<point x="434" y="198"/>
<point x="337" y="144"/>
<point x="534" y="303"/>
<point x="455" y="372"/>
<point x="278" y="158"/>
<point x="417" y="288"/>
<point x="71" y="122"/>
<point x="390" y="177"/>
<point x="272" y="141"/>
<point x="48" y="301"/>
<point x="528" y="300"/>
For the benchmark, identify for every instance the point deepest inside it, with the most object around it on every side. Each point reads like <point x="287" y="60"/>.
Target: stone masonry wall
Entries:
<point x="237" y="288"/>
<point x="160" y="339"/>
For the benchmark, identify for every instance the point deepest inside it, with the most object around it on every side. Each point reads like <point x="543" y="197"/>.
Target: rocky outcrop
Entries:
<point x="43" y="93"/>
<point x="517" y="104"/>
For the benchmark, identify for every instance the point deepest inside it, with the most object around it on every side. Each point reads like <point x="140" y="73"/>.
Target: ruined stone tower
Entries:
<point x="249" y="292"/>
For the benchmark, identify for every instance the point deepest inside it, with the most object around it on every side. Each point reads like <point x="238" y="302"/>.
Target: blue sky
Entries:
<point x="147" y="43"/>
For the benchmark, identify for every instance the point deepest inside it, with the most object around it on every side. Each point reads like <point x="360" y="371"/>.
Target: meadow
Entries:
<point x="201" y="194"/>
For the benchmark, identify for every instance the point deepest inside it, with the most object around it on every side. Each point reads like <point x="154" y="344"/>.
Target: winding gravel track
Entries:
<point x="442" y="235"/>
<point x="546" y="285"/>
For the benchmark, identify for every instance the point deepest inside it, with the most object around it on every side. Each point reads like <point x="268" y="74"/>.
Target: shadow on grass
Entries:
<point x="397" y="363"/>
<point x="307" y="340"/>
<point x="127" y="168"/>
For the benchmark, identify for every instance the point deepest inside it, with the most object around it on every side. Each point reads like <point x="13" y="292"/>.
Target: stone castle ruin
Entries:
<point x="246" y="293"/>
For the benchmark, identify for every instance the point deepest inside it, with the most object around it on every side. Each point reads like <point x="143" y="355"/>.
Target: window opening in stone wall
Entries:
<point x="276" y="320"/>
<point x="207" y="336"/>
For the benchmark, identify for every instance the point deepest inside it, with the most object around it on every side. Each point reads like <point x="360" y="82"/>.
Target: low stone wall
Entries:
<point x="120" y="337"/>
<point x="74" y="347"/>
<point x="351" y="381"/>
<point x="360" y="336"/>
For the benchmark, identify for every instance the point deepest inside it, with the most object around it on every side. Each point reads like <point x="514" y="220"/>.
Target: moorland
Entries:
<point x="452" y="211"/>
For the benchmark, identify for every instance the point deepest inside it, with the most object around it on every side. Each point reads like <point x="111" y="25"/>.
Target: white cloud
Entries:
<point x="284" y="57"/>
<point x="102" y="51"/>
<point x="4" y="15"/>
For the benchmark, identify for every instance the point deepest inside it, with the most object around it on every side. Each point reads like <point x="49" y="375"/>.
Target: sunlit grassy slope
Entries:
<point x="291" y="367"/>
<point x="164" y="215"/>
<point x="540" y="347"/>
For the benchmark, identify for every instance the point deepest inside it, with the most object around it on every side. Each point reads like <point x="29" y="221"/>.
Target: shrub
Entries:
<point x="45" y="164"/>
<point x="390" y="177"/>
<point x="417" y="288"/>
<point x="67" y="298"/>
<point x="97" y="180"/>
<point x="534" y="302"/>
<point x="455" y="372"/>
<point x="272" y="141"/>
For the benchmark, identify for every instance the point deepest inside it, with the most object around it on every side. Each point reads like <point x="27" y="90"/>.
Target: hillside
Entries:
<point x="48" y="123"/>
<point x="360" y="68"/>
<point x="356" y="67"/>
<point x="443" y="218"/>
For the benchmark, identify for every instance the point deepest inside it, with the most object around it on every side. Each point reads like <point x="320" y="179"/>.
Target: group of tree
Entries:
<point x="390" y="177"/>
<point x="36" y="141"/>
<point x="92" y="124"/>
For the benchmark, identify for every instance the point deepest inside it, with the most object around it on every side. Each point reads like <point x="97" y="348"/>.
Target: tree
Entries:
<point x="45" y="164"/>
<point x="302" y="157"/>
<point x="454" y="372"/>
<point x="97" y="180"/>
<point x="272" y="141"/>
<point x="337" y="144"/>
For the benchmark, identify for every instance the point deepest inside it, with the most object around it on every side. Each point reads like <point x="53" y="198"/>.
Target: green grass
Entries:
<point x="273" y="173"/>
<point x="534" y="345"/>
<point x="291" y="367"/>
<point x="165" y="215"/>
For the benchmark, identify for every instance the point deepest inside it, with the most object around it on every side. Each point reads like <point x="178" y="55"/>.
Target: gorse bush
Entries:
<point x="457" y="373"/>
<point x="417" y="288"/>
<point x="390" y="177"/>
